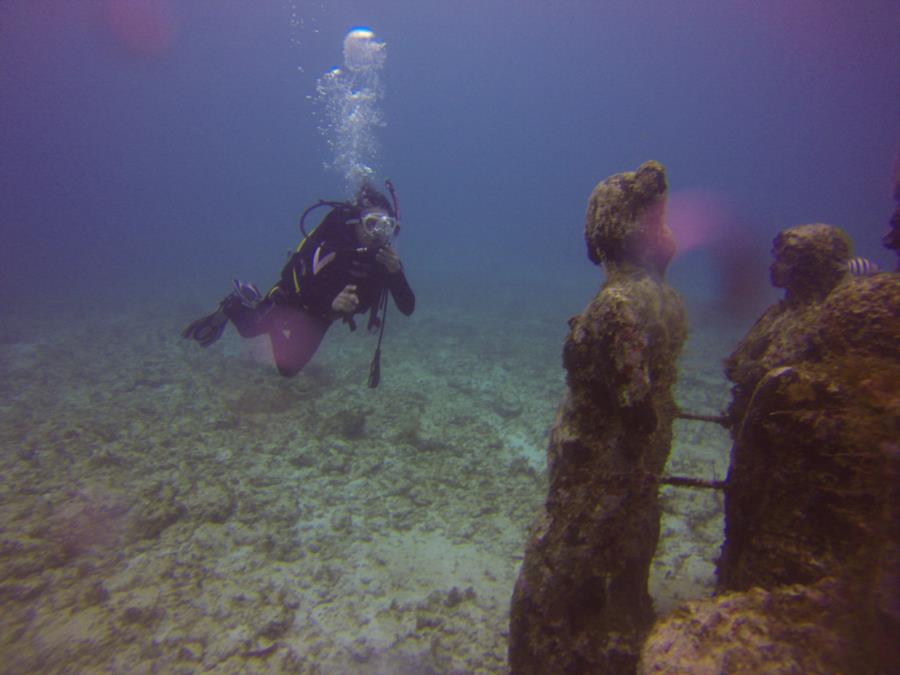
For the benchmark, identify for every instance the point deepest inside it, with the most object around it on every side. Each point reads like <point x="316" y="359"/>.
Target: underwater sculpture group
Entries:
<point x="809" y="575"/>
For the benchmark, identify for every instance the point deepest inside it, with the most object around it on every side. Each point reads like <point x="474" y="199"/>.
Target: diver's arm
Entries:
<point x="403" y="295"/>
<point x="396" y="281"/>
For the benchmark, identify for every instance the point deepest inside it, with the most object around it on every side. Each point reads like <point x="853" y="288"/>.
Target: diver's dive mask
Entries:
<point x="378" y="226"/>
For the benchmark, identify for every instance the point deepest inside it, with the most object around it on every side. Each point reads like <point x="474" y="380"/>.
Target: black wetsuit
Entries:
<point x="296" y="312"/>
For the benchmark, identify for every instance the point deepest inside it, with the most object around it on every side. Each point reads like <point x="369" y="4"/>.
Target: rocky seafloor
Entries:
<point x="166" y="508"/>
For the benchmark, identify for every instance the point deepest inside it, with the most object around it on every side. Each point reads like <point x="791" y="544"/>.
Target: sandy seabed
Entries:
<point x="166" y="508"/>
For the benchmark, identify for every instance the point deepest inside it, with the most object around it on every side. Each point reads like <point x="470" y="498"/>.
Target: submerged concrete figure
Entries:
<point x="809" y="261"/>
<point x="816" y="418"/>
<point x="581" y="603"/>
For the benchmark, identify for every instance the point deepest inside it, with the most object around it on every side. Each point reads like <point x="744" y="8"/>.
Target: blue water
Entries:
<point x="156" y="148"/>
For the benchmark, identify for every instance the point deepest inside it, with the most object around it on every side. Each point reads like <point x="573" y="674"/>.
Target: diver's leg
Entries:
<point x="295" y="338"/>
<point x="250" y="321"/>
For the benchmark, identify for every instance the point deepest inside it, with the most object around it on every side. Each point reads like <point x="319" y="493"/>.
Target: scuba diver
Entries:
<point x="345" y="266"/>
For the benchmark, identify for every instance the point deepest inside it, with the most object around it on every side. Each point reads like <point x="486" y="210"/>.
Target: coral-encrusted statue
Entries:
<point x="581" y="603"/>
<point x="810" y="498"/>
<point x="809" y="261"/>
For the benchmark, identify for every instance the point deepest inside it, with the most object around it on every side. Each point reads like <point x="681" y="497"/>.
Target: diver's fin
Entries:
<point x="206" y="330"/>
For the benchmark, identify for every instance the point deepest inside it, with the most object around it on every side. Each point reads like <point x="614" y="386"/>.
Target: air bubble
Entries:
<point x="350" y="98"/>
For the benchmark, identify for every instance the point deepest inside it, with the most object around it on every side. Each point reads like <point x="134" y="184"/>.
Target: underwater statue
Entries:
<point x="812" y="368"/>
<point x="809" y="261"/>
<point x="809" y="576"/>
<point x="581" y="602"/>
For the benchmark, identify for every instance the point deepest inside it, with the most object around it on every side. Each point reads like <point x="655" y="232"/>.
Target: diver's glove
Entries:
<point x="209" y="328"/>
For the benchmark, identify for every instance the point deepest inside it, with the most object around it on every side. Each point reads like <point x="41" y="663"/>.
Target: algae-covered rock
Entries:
<point x="862" y="316"/>
<point x="158" y="509"/>
<point x="211" y="502"/>
<point x="581" y="602"/>
<point x="787" y="630"/>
